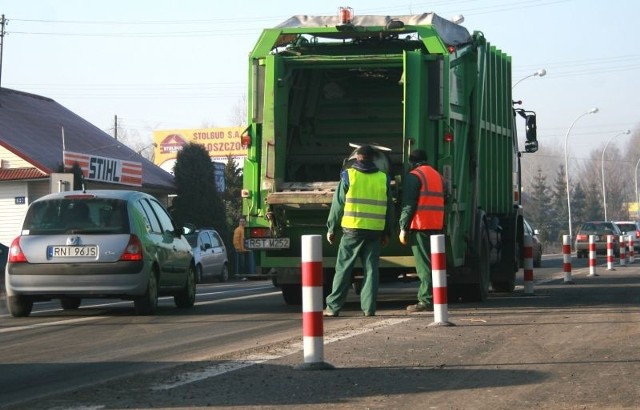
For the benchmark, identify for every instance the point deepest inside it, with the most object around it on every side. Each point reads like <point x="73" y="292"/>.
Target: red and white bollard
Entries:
<point x="439" y="279"/>
<point x="528" y="265"/>
<point x="312" y="321"/>
<point x="592" y="256"/>
<point x="631" y="252"/>
<point x="610" y="252"/>
<point x="566" y="259"/>
<point x="623" y="251"/>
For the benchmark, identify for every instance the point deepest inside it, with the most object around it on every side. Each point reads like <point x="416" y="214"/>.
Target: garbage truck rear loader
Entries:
<point x="319" y="86"/>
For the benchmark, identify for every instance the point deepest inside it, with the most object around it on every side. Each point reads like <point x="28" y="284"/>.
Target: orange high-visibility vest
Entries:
<point x="429" y="213"/>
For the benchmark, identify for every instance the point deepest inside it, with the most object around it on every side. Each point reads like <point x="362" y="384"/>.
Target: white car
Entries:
<point x="209" y="254"/>
<point x="631" y="228"/>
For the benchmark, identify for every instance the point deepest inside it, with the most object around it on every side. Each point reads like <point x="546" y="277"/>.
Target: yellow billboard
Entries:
<point x="219" y="142"/>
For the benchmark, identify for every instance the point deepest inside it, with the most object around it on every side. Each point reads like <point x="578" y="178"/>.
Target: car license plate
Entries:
<point x="267" y="243"/>
<point x="56" y="251"/>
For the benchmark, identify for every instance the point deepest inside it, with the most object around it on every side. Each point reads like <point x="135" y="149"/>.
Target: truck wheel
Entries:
<point x="292" y="294"/>
<point x="478" y="292"/>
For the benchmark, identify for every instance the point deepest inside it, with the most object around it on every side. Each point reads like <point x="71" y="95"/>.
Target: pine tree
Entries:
<point x="559" y="215"/>
<point x="232" y="198"/>
<point x="538" y="210"/>
<point x="593" y="210"/>
<point x="197" y="200"/>
<point x="579" y="206"/>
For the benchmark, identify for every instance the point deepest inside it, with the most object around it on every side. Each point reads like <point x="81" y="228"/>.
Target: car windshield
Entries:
<point x="88" y="215"/>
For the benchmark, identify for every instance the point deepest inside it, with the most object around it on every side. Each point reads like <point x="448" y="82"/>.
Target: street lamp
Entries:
<point x="540" y="73"/>
<point x="604" y="191"/>
<point x="566" y="163"/>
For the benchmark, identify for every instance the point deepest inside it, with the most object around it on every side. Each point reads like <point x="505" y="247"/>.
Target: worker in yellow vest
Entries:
<point x="362" y="206"/>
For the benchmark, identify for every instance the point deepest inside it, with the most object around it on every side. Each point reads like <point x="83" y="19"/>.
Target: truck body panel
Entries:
<point x="319" y="87"/>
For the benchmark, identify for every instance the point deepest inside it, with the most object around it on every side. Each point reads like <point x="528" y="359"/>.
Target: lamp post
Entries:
<point x="566" y="163"/>
<point x="604" y="191"/>
<point x="540" y="73"/>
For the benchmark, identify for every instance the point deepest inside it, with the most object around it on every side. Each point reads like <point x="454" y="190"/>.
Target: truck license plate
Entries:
<point x="267" y="243"/>
<point x="72" y="251"/>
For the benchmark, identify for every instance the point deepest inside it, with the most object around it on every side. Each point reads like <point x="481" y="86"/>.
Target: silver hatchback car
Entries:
<point x="99" y="244"/>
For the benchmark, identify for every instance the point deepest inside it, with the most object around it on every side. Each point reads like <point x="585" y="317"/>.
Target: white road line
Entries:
<point x="292" y="347"/>
<point x="59" y="322"/>
<point x="86" y="319"/>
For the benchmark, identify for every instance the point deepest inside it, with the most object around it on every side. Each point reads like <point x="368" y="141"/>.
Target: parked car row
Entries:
<point x="107" y="244"/>
<point x="600" y="230"/>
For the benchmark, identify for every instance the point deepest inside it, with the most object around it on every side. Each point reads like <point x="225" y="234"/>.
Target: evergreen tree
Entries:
<point x="593" y="210"/>
<point x="232" y="198"/>
<point x="559" y="216"/>
<point x="197" y="200"/>
<point x="579" y="205"/>
<point x="538" y="210"/>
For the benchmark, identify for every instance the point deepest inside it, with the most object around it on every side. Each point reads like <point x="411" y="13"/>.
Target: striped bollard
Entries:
<point x="610" y="252"/>
<point x="592" y="256"/>
<point x="439" y="279"/>
<point x="312" y="321"/>
<point x="623" y="251"/>
<point x="528" y="265"/>
<point x="631" y="252"/>
<point x="566" y="259"/>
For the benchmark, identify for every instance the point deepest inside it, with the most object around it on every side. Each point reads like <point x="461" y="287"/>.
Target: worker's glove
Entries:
<point x="330" y="238"/>
<point x="403" y="237"/>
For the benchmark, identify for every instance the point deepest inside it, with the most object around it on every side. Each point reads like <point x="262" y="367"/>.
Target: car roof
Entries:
<point x="125" y="195"/>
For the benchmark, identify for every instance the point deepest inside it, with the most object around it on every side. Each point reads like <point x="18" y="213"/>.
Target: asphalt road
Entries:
<point x="565" y="346"/>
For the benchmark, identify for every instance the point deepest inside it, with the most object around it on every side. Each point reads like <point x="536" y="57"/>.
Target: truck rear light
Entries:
<point x="448" y="136"/>
<point x="345" y="14"/>
<point x="259" y="233"/>
<point x="245" y="193"/>
<point x="245" y="141"/>
<point x="133" y="250"/>
<point x="15" y="252"/>
<point x="637" y="234"/>
<point x="581" y="237"/>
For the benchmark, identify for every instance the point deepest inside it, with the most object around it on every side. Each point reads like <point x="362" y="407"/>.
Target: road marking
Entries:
<point x="59" y="322"/>
<point x="86" y="319"/>
<point x="290" y="348"/>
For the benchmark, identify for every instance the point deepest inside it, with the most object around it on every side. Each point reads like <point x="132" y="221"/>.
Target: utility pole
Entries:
<point x="3" y="22"/>
<point x="115" y="127"/>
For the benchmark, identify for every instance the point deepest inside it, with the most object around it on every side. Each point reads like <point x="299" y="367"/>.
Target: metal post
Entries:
<point x="566" y="163"/>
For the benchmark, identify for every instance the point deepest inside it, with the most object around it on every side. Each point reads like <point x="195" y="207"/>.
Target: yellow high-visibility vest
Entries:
<point x="366" y="201"/>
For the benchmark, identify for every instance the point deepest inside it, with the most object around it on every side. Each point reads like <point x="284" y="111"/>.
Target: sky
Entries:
<point x="167" y="64"/>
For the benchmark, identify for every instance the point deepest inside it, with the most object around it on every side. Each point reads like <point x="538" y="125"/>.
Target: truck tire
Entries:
<point x="478" y="292"/>
<point x="292" y="294"/>
<point x="509" y="285"/>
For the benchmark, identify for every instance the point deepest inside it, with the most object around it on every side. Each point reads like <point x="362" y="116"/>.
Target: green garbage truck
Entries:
<point x="321" y="85"/>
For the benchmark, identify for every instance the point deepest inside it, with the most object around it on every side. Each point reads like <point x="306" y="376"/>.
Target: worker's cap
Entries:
<point x="367" y="151"/>
<point x="418" y="155"/>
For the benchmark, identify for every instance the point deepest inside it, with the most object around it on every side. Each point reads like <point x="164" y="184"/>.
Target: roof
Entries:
<point x="14" y="174"/>
<point x="32" y="127"/>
